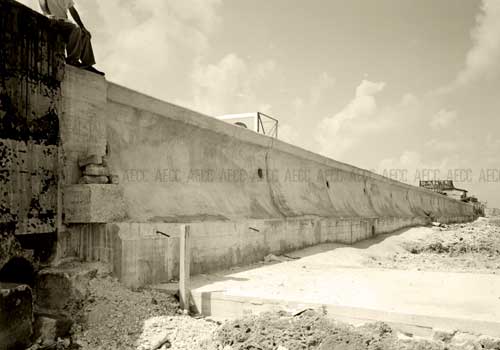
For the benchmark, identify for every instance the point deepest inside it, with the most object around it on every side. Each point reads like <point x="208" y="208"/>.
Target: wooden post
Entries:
<point x="184" y="262"/>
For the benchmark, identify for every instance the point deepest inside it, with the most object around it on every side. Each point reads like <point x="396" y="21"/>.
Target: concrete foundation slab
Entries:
<point x="419" y="300"/>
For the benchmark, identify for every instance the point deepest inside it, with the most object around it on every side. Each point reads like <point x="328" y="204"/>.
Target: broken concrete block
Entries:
<point x="95" y="170"/>
<point x="93" y="204"/>
<point x="91" y="159"/>
<point x="61" y="290"/>
<point x="93" y="180"/>
<point x="16" y="316"/>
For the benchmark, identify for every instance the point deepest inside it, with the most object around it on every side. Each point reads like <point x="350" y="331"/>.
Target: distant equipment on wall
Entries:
<point x="256" y="121"/>
<point x="447" y="188"/>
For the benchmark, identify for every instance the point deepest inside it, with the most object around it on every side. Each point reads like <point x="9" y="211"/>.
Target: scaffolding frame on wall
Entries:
<point x="259" y="122"/>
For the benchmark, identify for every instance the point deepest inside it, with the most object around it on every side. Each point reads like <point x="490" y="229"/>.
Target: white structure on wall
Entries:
<point x="256" y="121"/>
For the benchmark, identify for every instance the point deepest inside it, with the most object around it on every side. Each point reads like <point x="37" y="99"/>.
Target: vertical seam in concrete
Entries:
<point x="269" y="185"/>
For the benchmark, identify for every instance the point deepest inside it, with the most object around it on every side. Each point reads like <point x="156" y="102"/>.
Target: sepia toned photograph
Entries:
<point x="250" y="174"/>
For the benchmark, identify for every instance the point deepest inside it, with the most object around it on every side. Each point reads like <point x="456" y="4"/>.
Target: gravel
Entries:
<point x="114" y="316"/>
<point x="313" y="330"/>
<point x="470" y="247"/>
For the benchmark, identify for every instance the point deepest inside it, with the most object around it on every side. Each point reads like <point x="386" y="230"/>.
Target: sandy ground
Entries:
<point x="472" y="247"/>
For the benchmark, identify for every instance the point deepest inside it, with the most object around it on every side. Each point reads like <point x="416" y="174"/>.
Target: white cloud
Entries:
<point x="329" y="133"/>
<point x="486" y="49"/>
<point x="484" y="55"/>
<point x="411" y="167"/>
<point x="439" y="145"/>
<point x="442" y="119"/>
<point x="230" y="86"/>
<point x="148" y="44"/>
<point x="144" y="46"/>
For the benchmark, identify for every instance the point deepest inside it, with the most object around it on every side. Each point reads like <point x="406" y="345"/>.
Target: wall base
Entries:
<point x="140" y="254"/>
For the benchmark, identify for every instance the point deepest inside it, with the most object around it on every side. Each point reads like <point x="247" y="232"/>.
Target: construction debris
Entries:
<point x="95" y="170"/>
<point x="471" y="247"/>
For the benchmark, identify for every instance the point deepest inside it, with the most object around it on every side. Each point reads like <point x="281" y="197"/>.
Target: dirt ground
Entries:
<point x="114" y="317"/>
<point x="312" y="330"/>
<point x="472" y="247"/>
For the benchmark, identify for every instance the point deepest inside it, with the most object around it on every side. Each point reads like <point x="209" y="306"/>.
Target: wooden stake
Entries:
<point x="184" y="261"/>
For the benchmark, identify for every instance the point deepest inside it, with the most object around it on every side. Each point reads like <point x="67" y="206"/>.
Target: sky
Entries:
<point x="406" y="88"/>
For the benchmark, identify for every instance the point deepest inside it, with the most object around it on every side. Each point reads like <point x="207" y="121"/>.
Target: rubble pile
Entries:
<point x="115" y="316"/>
<point x="470" y="247"/>
<point x="312" y="330"/>
<point x="95" y="170"/>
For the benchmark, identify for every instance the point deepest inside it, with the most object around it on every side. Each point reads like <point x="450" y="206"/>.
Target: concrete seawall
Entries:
<point x="246" y="195"/>
<point x="177" y="164"/>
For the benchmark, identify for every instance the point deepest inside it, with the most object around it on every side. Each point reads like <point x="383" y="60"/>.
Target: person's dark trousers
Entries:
<point x="78" y="45"/>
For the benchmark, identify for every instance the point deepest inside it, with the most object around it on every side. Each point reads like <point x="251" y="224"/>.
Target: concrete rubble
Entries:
<point x="95" y="170"/>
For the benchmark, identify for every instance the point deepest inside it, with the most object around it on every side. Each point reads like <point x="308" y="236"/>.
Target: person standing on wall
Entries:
<point x="79" y="51"/>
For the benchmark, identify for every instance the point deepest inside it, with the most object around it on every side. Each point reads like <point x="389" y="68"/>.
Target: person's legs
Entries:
<point x="72" y="35"/>
<point x="87" y="53"/>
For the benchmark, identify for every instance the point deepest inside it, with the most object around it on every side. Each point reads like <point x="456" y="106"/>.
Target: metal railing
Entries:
<point x="264" y="120"/>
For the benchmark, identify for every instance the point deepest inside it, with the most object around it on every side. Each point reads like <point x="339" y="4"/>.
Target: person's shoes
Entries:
<point x="93" y="70"/>
<point x="74" y="63"/>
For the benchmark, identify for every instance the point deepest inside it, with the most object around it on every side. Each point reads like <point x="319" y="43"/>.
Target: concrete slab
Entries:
<point x="420" y="300"/>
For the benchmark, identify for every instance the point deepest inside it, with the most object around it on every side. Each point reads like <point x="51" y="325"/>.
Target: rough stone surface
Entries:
<point x="90" y="159"/>
<point x="16" y="316"/>
<point x="116" y="317"/>
<point x="114" y="179"/>
<point x="9" y="248"/>
<point x="48" y="328"/>
<point x="62" y="290"/>
<point x="93" y="180"/>
<point x="31" y="70"/>
<point x="93" y="203"/>
<point x="312" y="330"/>
<point x="95" y="170"/>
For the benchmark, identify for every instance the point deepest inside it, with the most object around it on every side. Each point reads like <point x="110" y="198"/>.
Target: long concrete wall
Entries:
<point x="246" y="195"/>
<point x="178" y="165"/>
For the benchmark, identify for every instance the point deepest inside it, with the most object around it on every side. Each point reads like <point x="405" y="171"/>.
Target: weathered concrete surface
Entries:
<point x="93" y="203"/>
<point x="16" y="316"/>
<point x="9" y="248"/>
<point x="140" y="254"/>
<point x="31" y="70"/>
<point x="246" y="195"/>
<point x="83" y="131"/>
<point x="177" y="165"/>
<point x="60" y="291"/>
<point x="336" y="278"/>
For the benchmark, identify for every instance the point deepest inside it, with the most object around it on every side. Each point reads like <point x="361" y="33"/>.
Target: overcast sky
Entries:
<point x="385" y="84"/>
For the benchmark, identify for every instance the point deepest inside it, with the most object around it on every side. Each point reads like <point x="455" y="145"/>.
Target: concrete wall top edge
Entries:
<point x="126" y="96"/>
